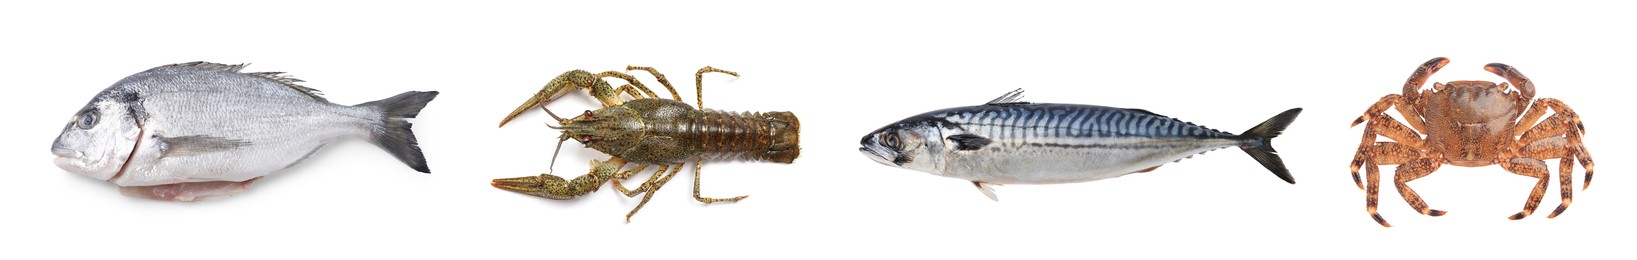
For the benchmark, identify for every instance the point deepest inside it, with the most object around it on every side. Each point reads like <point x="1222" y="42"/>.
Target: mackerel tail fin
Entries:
<point x="1262" y="149"/>
<point x="394" y="135"/>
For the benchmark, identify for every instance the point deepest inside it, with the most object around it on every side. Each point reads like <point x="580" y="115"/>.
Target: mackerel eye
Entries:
<point x="87" y="119"/>
<point x="891" y="140"/>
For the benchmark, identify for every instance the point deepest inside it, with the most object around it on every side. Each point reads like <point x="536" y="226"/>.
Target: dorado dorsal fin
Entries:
<point x="1013" y="97"/>
<point x="290" y="82"/>
<point x="211" y="66"/>
<point x="285" y="80"/>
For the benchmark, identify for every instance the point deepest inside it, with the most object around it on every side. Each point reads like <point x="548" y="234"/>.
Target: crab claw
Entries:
<point x="1524" y="86"/>
<point x="537" y="186"/>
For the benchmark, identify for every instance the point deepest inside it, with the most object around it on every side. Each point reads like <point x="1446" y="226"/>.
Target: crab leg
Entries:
<point x="1566" y="123"/>
<point x="1388" y="127"/>
<point x="1390" y="153"/>
<point x="1382" y="153"/>
<point x="1362" y="156"/>
<point x="1392" y="130"/>
<point x="1565" y="178"/>
<point x="1532" y="168"/>
<point x="1550" y="148"/>
<point x="1372" y="174"/>
<point x="1404" y="107"/>
<point x="1555" y="125"/>
<point x="1415" y="169"/>
<point x="1539" y="108"/>
<point x="1557" y="147"/>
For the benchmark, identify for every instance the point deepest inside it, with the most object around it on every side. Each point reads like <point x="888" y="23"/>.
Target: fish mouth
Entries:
<point x="63" y="153"/>
<point x="876" y="156"/>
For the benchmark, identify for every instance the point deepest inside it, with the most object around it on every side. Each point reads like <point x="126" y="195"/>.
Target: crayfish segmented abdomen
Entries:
<point x="754" y="136"/>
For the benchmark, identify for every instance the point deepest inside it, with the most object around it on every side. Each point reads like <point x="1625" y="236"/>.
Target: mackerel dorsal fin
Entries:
<point x="279" y="77"/>
<point x="1013" y="97"/>
<point x="1140" y="111"/>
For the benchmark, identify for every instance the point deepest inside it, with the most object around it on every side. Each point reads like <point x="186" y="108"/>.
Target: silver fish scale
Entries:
<point x="1048" y="121"/>
<point x="1063" y="143"/>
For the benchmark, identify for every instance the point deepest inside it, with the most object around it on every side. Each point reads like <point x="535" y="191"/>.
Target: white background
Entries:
<point x="845" y="68"/>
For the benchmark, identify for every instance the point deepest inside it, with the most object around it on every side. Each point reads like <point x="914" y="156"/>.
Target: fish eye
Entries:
<point x="891" y="140"/>
<point x="87" y="119"/>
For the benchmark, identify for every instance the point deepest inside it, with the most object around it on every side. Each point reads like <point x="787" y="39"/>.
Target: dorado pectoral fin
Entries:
<point x="968" y="142"/>
<point x="988" y="190"/>
<point x="197" y="144"/>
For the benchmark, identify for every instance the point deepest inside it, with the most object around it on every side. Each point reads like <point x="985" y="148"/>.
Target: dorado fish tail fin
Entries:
<point x="394" y="135"/>
<point x="1262" y="149"/>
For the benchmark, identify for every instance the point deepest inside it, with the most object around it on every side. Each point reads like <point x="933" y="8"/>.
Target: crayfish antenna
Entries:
<point x="553" y="115"/>
<point x="560" y="140"/>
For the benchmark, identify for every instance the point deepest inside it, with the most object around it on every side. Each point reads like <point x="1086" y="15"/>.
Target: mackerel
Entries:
<point x="1008" y="141"/>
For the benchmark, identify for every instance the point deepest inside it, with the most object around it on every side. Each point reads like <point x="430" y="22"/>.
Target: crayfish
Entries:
<point x="651" y="131"/>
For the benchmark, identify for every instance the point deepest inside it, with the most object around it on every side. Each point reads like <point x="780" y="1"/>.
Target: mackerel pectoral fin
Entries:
<point x="968" y="142"/>
<point x="988" y="190"/>
<point x="197" y="144"/>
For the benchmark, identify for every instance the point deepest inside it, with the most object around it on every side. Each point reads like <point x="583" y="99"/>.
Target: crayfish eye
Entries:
<point x="587" y="114"/>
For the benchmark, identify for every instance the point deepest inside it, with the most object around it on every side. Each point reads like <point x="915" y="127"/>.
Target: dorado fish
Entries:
<point x="1007" y="141"/>
<point x="200" y="130"/>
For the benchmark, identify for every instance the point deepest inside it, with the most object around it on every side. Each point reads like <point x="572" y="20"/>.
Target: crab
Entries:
<point x="1470" y="124"/>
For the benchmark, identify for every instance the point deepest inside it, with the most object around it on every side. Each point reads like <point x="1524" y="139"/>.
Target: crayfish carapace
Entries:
<point x="651" y="131"/>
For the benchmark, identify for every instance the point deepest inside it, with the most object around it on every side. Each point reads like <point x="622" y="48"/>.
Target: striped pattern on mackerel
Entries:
<point x="1006" y="141"/>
